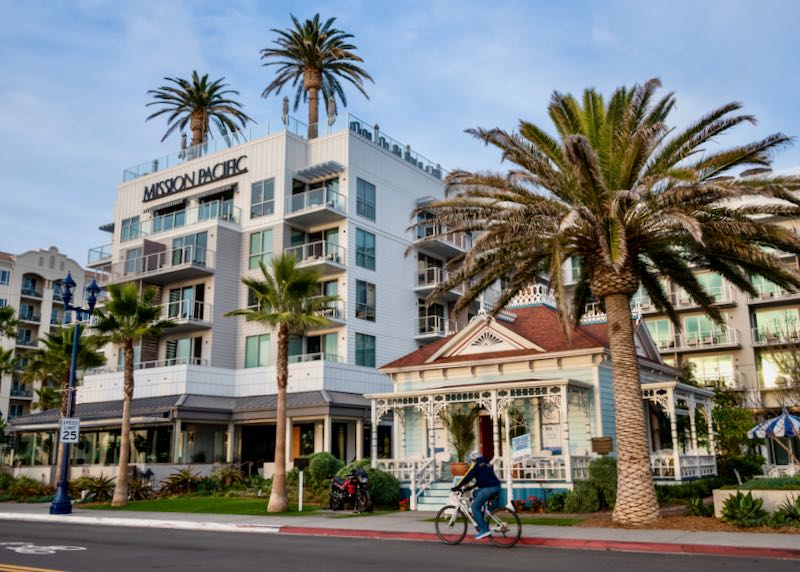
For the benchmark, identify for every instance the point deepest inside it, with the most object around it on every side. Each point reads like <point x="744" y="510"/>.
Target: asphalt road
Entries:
<point x="115" y="549"/>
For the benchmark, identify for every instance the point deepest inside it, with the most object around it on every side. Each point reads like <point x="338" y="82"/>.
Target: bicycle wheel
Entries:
<point x="505" y="526"/>
<point x="451" y="525"/>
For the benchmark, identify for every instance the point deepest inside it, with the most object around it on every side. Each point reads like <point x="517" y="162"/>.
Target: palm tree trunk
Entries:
<point x="636" y="498"/>
<point x="312" y="82"/>
<point x="121" y="488"/>
<point x="278" y="499"/>
<point x="197" y="126"/>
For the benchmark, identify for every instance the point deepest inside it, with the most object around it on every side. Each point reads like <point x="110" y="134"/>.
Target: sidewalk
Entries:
<point x="416" y="526"/>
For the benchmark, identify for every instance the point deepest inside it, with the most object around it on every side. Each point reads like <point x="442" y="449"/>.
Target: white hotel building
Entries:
<point x="192" y="225"/>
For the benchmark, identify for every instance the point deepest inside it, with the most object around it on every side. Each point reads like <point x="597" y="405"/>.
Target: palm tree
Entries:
<point x="196" y="102"/>
<point x="633" y="199"/>
<point x="8" y="324"/>
<point x="7" y="362"/>
<point x="47" y="397"/>
<point x="321" y="56"/>
<point x="286" y="300"/>
<point x="124" y="319"/>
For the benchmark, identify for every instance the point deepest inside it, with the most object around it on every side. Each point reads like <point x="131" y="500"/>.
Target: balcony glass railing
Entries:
<point x="169" y="362"/>
<point x="318" y="251"/>
<point x="215" y="210"/>
<point x="27" y="341"/>
<point x="97" y="254"/>
<point x="319" y="356"/>
<point x="30" y="317"/>
<point x="31" y="292"/>
<point x="436" y="325"/>
<point x="431" y="276"/>
<point x="720" y="294"/>
<point x="708" y="339"/>
<point x="21" y="391"/>
<point x="159" y="262"/>
<point x="314" y="198"/>
<point x="187" y="310"/>
<point x="334" y="310"/>
<point x="458" y="239"/>
<point x="766" y="335"/>
<point x="769" y="291"/>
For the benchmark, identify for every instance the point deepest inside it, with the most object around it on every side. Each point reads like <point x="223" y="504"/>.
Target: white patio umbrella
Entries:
<point x="784" y="425"/>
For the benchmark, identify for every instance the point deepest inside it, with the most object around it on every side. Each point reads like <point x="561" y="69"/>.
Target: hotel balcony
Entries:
<point x="188" y="316"/>
<point x="324" y="256"/>
<point x="431" y="278"/>
<point x="445" y="244"/>
<point x="185" y="218"/>
<point x="30" y="318"/>
<point x="334" y="314"/>
<point x="173" y="265"/>
<point x="722" y="295"/>
<point x="432" y="328"/>
<point x="788" y="335"/>
<point x="734" y="379"/>
<point x="770" y="294"/>
<point x="21" y="392"/>
<point x="315" y="207"/>
<point x="27" y="342"/>
<point x="319" y="356"/>
<point x="700" y="341"/>
<point x="98" y="256"/>
<point x="31" y="293"/>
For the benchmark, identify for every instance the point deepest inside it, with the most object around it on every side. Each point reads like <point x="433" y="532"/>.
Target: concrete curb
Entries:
<point x="141" y="523"/>
<point x="566" y="543"/>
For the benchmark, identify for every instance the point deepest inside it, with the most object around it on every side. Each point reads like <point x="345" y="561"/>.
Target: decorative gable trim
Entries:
<point x="482" y="335"/>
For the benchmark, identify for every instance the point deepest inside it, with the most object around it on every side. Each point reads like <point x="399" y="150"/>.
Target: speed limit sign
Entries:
<point x="70" y="429"/>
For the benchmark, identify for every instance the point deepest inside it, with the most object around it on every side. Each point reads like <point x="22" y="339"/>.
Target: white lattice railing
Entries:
<point x="691" y="466"/>
<point x="402" y="469"/>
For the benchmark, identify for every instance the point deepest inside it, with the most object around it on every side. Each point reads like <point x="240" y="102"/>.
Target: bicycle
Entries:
<point x="452" y="519"/>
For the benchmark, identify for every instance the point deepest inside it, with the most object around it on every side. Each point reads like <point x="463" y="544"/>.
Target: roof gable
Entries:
<point x="481" y="336"/>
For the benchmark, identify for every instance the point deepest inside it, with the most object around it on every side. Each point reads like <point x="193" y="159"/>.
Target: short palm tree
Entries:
<point x="8" y="324"/>
<point x="286" y="300"/>
<point x="319" y="55"/>
<point x="634" y="199"/>
<point x="196" y="102"/>
<point x="125" y="318"/>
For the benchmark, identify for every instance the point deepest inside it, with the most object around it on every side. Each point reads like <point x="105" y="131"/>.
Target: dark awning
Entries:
<point x="215" y="191"/>
<point x="165" y="205"/>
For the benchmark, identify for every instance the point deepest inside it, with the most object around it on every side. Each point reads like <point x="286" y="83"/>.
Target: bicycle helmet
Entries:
<point x="474" y="455"/>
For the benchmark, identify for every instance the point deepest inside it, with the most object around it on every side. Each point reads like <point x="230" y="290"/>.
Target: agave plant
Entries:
<point x="744" y="510"/>
<point x="180" y="483"/>
<point x="139" y="489"/>
<point x="697" y="507"/>
<point x="99" y="489"/>
<point x="228" y="476"/>
<point x="789" y="511"/>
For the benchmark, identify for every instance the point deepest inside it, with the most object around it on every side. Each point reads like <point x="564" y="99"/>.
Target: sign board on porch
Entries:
<point x="551" y="436"/>
<point x="602" y="445"/>
<point x="70" y="430"/>
<point x="521" y="447"/>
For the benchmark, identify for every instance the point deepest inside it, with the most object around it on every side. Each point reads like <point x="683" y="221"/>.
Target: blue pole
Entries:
<point x="61" y="502"/>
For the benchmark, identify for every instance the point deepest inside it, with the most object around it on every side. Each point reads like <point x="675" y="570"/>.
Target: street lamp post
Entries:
<point x="61" y="502"/>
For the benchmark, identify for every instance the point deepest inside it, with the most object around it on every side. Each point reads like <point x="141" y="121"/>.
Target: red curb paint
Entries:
<point x="564" y="543"/>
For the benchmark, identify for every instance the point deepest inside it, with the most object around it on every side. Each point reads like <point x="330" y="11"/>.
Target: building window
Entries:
<point x="256" y="351"/>
<point x="190" y="249"/>
<point x="365" y="199"/>
<point x="133" y="261"/>
<point x="130" y="229"/>
<point x="365" y="249"/>
<point x="3" y="302"/>
<point x="262" y="198"/>
<point x="5" y="275"/>
<point x="260" y="248"/>
<point x="365" y="350"/>
<point x="661" y="332"/>
<point x="365" y="300"/>
<point x="711" y="369"/>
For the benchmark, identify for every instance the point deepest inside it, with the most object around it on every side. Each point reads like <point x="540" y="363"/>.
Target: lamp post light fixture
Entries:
<point x="61" y="502"/>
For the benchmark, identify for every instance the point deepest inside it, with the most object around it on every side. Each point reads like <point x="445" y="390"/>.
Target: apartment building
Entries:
<point x="29" y="282"/>
<point x="191" y="225"/>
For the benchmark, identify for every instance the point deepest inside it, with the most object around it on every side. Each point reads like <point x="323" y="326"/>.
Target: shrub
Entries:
<point x="555" y="503"/>
<point x="228" y="476"/>
<point x="582" y="498"/>
<point x="697" y="507"/>
<point x="321" y="466"/>
<point x="6" y="481"/>
<point x="24" y="488"/>
<point x="748" y="466"/>
<point x="139" y="489"/>
<point x="98" y="489"/>
<point x="603" y="475"/>
<point x="667" y="494"/>
<point x="743" y="510"/>
<point x="774" y="484"/>
<point x="181" y="482"/>
<point x="789" y="511"/>
<point x="384" y="488"/>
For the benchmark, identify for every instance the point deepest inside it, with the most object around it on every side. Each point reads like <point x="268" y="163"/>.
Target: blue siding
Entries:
<point x="608" y="422"/>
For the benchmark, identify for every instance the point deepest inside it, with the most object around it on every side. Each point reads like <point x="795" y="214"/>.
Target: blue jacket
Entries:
<point x="481" y="472"/>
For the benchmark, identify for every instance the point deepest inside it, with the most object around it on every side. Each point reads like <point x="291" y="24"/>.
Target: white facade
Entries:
<point x="29" y="283"/>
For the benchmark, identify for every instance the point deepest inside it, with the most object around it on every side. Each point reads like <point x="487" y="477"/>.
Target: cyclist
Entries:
<point x="488" y="485"/>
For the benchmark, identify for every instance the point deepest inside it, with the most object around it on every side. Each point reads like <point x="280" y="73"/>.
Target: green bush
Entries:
<point x="24" y="488"/>
<point x="744" y="510"/>
<point x="582" y="498"/>
<point x="228" y="477"/>
<point x="99" y="489"/>
<point x="668" y="494"/>
<point x="603" y="475"/>
<point x="773" y="484"/>
<point x="208" y="484"/>
<point x="748" y="466"/>
<point x="321" y="466"/>
<point x="697" y="507"/>
<point x="139" y="489"/>
<point x="181" y="482"/>
<point x="384" y="488"/>
<point x="556" y="502"/>
<point x="6" y="480"/>
<point x="789" y="511"/>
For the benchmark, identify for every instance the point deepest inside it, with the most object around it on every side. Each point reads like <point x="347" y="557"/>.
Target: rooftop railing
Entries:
<point x="98" y="254"/>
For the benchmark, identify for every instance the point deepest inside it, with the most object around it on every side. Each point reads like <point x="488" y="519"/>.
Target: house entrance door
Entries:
<point x="486" y="437"/>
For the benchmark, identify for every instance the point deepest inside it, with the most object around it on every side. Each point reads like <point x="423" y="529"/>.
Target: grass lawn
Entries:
<point x="207" y="505"/>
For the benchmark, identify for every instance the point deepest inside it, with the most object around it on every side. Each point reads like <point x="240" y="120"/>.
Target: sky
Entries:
<point x="75" y="76"/>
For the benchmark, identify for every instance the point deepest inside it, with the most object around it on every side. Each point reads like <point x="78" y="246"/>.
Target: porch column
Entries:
<point x="288" y="443"/>
<point x="692" y="424"/>
<point x="176" y="443"/>
<point x="495" y="427"/>
<point x="373" y="442"/>
<point x="430" y="423"/>
<point x="648" y="424"/>
<point x="673" y="428"/>
<point x="507" y="456"/>
<point x="565" y="448"/>
<point x="229" y="449"/>
<point x="712" y="442"/>
<point x="400" y="422"/>
<point x="359" y="438"/>
<point x="326" y="433"/>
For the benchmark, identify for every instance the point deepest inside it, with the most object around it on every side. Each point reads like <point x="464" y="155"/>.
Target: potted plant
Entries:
<point x="460" y="427"/>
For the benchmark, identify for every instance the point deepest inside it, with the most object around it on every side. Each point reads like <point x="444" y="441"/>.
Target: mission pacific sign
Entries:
<point x="196" y="178"/>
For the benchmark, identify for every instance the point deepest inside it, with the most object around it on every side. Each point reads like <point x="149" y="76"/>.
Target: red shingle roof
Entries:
<point x="538" y="324"/>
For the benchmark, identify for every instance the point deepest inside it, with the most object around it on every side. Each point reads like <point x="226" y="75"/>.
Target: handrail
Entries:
<point x="318" y="250"/>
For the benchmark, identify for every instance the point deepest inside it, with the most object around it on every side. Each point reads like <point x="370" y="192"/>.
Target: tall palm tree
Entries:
<point x="286" y="300"/>
<point x="196" y="102"/>
<point x="8" y="324"/>
<point x="125" y="318"/>
<point x="7" y="362"/>
<point x="321" y="56"/>
<point x="47" y="397"/>
<point x="634" y="199"/>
